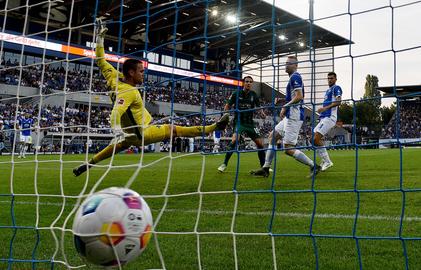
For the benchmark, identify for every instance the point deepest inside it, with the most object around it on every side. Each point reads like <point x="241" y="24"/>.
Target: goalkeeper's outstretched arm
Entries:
<point x="110" y="73"/>
<point x="121" y="102"/>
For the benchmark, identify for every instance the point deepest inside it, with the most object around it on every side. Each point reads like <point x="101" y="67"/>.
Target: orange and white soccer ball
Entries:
<point x="112" y="226"/>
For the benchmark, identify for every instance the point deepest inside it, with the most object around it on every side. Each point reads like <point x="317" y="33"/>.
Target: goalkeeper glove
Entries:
<point x="101" y="31"/>
<point x="120" y="135"/>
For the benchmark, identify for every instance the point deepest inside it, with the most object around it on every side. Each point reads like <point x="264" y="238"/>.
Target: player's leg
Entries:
<point x="21" y="145"/>
<point x="28" y="142"/>
<point x="114" y="146"/>
<point x="25" y="149"/>
<point x="274" y="136"/>
<point x="152" y="134"/>
<point x="194" y="131"/>
<point x="102" y="155"/>
<point x="277" y="133"/>
<point x="1" y="148"/>
<point x="322" y="152"/>
<point x="157" y="133"/>
<point x="260" y="153"/>
<point x="292" y="129"/>
<point x="320" y="130"/>
<point x="298" y="155"/>
<point x="254" y="134"/>
<point x="216" y="141"/>
<point x="21" y="150"/>
<point x="231" y="148"/>
<point x="215" y="145"/>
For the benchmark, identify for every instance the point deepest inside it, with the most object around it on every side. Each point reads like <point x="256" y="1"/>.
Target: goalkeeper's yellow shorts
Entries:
<point x="151" y="134"/>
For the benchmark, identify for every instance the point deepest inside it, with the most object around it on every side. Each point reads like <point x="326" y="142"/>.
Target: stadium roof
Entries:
<point x="402" y="90"/>
<point x="258" y="36"/>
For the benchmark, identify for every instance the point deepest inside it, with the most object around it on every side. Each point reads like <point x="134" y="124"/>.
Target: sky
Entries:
<point x="371" y="32"/>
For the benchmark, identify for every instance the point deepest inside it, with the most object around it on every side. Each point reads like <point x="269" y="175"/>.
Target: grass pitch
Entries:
<point x="287" y="221"/>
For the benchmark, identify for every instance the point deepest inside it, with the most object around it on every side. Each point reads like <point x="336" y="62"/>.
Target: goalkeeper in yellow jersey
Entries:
<point x="130" y="121"/>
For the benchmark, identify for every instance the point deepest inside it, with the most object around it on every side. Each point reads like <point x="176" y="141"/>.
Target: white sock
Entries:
<point x="21" y="149"/>
<point x="301" y="157"/>
<point x="324" y="155"/>
<point x="269" y="156"/>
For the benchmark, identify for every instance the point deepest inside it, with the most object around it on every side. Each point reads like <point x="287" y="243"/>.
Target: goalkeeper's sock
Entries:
<point x="106" y="153"/>
<point x="261" y="155"/>
<point x="270" y="153"/>
<point x="229" y="154"/>
<point x="194" y="130"/>
<point x="301" y="157"/>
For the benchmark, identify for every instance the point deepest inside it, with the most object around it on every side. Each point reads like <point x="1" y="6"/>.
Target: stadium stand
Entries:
<point x="408" y="116"/>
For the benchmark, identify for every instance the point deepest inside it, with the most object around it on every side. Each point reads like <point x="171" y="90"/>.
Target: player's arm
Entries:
<point x="36" y="125"/>
<point x="231" y="101"/>
<point x="17" y="124"/>
<point x="109" y="72"/>
<point x="335" y="103"/>
<point x="257" y="104"/>
<point x="297" y="83"/>
<point x="227" y="107"/>
<point x="297" y="98"/>
<point x="337" y="93"/>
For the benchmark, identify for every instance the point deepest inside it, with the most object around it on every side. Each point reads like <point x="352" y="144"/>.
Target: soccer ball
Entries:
<point x="112" y="226"/>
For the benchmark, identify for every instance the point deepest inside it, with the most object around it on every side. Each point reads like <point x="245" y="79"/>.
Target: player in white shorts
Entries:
<point x="288" y="128"/>
<point x="25" y="124"/>
<point x="25" y="139"/>
<point x="216" y="140"/>
<point x="328" y="117"/>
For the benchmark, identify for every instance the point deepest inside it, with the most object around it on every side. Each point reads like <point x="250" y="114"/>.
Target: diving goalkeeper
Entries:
<point x="130" y="121"/>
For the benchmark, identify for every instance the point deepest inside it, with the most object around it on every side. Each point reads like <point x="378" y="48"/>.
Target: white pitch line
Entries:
<point x="263" y="213"/>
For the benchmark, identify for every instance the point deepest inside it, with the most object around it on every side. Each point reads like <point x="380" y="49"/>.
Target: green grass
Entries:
<point x="377" y="228"/>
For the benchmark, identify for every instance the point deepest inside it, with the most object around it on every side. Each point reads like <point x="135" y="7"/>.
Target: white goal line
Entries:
<point x="255" y="213"/>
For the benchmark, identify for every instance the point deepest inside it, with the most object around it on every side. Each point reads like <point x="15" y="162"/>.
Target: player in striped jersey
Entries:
<point x="328" y="116"/>
<point x="217" y="134"/>
<point x="288" y="128"/>
<point x="25" y="124"/>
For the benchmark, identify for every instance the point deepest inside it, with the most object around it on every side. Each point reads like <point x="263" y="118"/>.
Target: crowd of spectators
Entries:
<point x="215" y="99"/>
<point x="51" y="118"/>
<point x="48" y="78"/>
<point x="409" y="122"/>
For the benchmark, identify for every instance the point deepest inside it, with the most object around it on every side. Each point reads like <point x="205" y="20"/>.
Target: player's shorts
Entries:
<point x="289" y="130"/>
<point x="151" y="134"/>
<point x="324" y="125"/>
<point x="216" y="140"/>
<point x="25" y="139"/>
<point x="250" y="131"/>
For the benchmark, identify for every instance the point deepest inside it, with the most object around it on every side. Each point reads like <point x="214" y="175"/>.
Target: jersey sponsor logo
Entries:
<point x="120" y="101"/>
